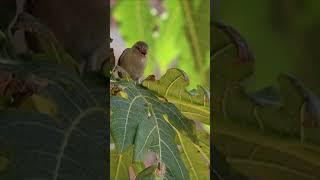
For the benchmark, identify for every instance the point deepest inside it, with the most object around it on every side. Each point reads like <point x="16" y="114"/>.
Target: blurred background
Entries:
<point x="283" y="36"/>
<point x="176" y="31"/>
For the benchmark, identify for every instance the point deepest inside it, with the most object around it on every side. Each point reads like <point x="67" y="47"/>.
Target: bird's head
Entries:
<point x="142" y="47"/>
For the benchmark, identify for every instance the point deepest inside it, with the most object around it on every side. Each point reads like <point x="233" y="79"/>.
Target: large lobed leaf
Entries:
<point x="173" y="86"/>
<point x="272" y="133"/>
<point x="68" y="143"/>
<point x="196" y="156"/>
<point x="138" y="117"/>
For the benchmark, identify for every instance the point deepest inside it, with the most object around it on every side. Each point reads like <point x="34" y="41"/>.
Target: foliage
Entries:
<point x="173" y="86"/>
<point x="144" y="120"/>
<point x="183" y="27"/>
<point x="282" y="34"/>
<point x="272" y="133"/>
<point x="52" y="125"/>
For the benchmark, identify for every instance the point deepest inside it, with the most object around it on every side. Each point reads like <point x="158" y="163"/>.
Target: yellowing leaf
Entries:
<point x="4" y="162"/>
<point x="40" y="104"/>
<point x="195" y="156"/>
<point x="173" y="86"/>
<point x="120" y="163"/>
<point x="123" y="94"/>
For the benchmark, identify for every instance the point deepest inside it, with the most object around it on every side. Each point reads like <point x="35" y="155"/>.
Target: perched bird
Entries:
<point x="134" y="60"/>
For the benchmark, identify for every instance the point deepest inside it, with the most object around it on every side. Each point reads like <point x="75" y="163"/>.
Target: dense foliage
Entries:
<point x="270" y="134"/>
<point x="52" y="121"/>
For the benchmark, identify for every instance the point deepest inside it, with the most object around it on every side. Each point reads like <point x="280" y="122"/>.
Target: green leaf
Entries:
<point x="147" y="173"/>
<point x="7" y="12"/>
<point x="4" y="162"/>
<point x="230" y="54"/>
<point x="136" y="23"/>
<point x="42" y="148"/>
<point x="195" y="157"/>
<point x="196" y="23"/>
<point x="173" y="86"/>
<point x="167" y="46"/>
<point x="120" y="163"/>
<point x="140" y="24"/>
<point x="224" y="170"/>
<point x="272" y="133"/>
<point x="266" y="155"/>
<point x="139" y="120"/>
<point x="51" y="47"/>
<point x="40" y="104"/>
<point x="5" y="102"/>
<point x="6" y="47"/>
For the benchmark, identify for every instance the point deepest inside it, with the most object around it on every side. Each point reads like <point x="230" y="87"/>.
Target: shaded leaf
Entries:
<point x="263" y="134"/>
<point x="80" y="129"/>
<point x="49" y="45"/>
<point x="40" y="104"/>
<point x="266" y="155"/>
<point x="15" y="88"/>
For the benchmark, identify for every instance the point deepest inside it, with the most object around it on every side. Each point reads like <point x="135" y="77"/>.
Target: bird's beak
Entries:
<point x="144" y="52"/>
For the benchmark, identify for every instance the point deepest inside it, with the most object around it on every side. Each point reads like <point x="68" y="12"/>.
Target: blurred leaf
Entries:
<point x="167" y="46"/>
<point x="80" y="129"/>
<point x="6" y="48"/>
<point x="173" y="86"/>
<point x="7" y="12"/>
<point x="231" y="62"/>
<point x="198" y="33"/>
<point x="17" y="90"/>
<point x="136" y="23"/>
<point x="224" y="171"/>
<point x="275" y="50"/>
<point x="230" y="56"/>
<point x="40" y="104"/>
<point x="167" y="35"/>
<point x="263" y="134"/>
<point x="266" y="156"/>
<point x="5" y="102"/>
<point x="4" y="162"/>
<point x="52" y="49"/>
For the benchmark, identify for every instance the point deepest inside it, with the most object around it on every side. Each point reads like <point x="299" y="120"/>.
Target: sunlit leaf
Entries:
<point x="194" y="155"/>
<point x="197" y="29"/>
<point x="120" y="163"/>
<point x="173" y="86"/>
<point x="136" y="23"/>
<point x="139" y="121"/>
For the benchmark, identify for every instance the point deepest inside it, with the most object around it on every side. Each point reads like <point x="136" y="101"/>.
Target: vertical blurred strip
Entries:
<point x="108" y="24"/>
<point x="212" y="15"/>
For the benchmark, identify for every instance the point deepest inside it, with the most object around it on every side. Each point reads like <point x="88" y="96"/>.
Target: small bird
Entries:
<point x="134" y="60"/>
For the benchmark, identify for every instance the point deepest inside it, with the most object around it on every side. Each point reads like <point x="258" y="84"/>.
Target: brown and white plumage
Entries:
<point x="134" y="60"/>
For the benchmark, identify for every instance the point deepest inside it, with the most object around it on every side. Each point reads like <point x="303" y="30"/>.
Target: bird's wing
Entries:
<point x="122" y="55"/>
